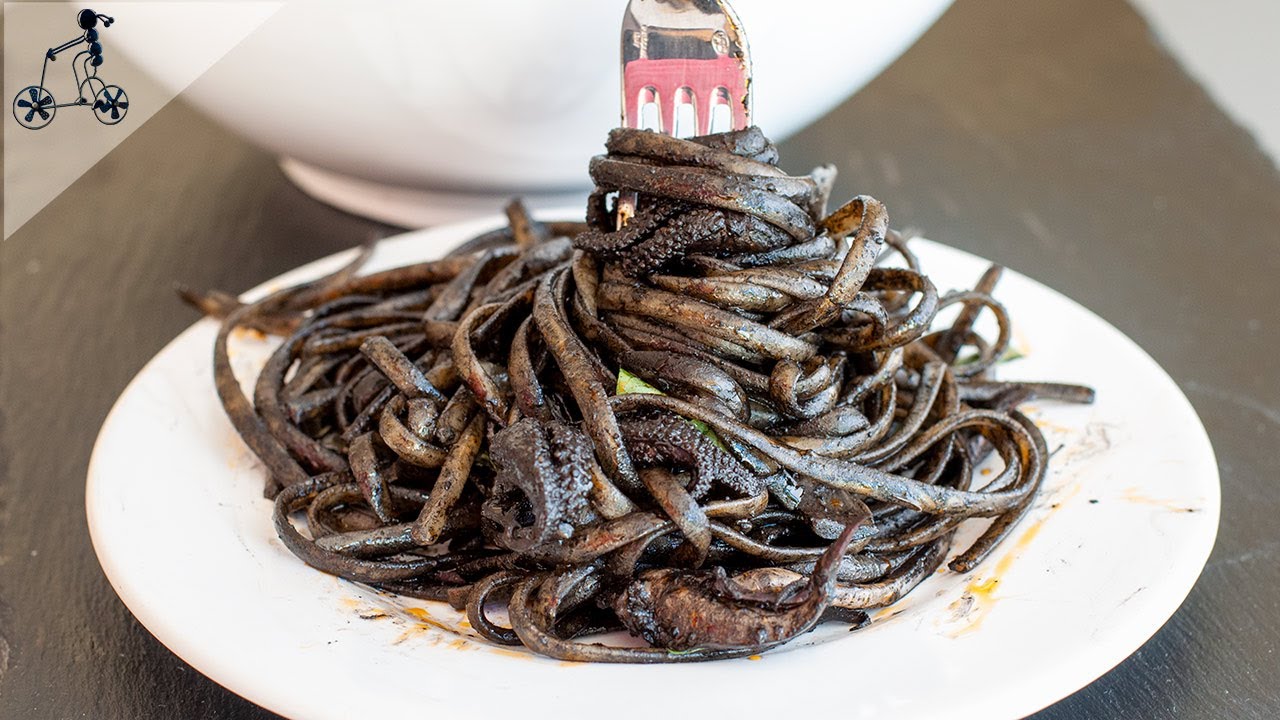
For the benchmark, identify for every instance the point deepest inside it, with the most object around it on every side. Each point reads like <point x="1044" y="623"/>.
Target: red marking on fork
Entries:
<point x="703" y="78"/>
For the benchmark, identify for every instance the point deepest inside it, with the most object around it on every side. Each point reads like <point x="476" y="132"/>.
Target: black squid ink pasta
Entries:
<point x="714" y="428"/>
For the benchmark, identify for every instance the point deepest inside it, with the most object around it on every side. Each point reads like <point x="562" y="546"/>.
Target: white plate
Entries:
<point x="1116" y="541"/>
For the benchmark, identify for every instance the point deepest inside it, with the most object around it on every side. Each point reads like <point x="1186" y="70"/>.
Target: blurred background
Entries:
<point x="413" y="113"/>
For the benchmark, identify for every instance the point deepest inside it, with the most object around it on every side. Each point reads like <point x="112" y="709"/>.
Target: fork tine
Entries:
<point x="669" y="45"/>
<point x="675" y="44"/>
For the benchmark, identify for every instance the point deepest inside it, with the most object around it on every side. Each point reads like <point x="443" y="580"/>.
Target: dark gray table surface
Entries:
<point x="1057" y="138"/>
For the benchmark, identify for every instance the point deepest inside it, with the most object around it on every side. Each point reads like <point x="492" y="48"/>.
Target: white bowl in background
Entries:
<point x="421" y="112"/>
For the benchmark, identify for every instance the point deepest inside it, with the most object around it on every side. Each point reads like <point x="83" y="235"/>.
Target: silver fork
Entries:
<point x="686" y="70"/>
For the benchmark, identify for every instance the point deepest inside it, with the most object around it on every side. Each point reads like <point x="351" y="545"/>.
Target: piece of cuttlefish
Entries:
<point x="681" y="609"/>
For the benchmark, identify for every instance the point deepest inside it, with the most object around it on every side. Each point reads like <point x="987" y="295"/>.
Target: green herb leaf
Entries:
<point x="629" y="384"/>
<point x="1009" y="356"/>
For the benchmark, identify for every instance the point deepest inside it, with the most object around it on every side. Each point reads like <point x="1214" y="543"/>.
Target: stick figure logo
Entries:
<point x="34" y="106"/>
